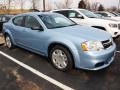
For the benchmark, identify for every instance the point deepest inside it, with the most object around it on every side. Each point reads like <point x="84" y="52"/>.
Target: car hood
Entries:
<point x="111" y="19"/>
<point x="116" y="18"/>
<point x="105" y="20"/>
<point x="84" y="32"/>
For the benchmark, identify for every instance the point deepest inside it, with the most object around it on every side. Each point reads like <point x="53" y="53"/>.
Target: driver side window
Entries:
<point x="104" y="14"/>
<point x="31" y="22"/>
<point x="74" y="14"/>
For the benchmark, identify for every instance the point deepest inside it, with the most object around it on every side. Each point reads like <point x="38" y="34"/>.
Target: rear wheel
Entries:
<point x="8" y="42"/>
<point x="61" y="58"/>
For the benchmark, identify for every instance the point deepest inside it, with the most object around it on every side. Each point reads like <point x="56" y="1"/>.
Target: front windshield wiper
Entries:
<point x="59" y="26"/>
<point x="63" y="26"/>
<point x="73" y="24"/>
<point x="92" y="17"/>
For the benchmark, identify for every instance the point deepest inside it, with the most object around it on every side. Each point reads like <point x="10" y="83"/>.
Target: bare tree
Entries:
<point x="9" y="5"/>
<point x="5" y="4"/>
<point x="101" y="8"/>
<point x="48" y="6"/>
<point x="95" y="6"/>
<point x="34" y="4"/>
<point x="113" y="8"/>
<point x="8" y="9"/>
<point x="22" y="4"/>
<point x="68" y="3"/>
<point x="87" y="4"/>
<point x="82" y="4"/>
<point x="59" y="5"/>
<point x="64" y="4"/>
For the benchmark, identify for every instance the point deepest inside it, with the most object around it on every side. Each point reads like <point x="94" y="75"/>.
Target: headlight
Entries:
<point x="92" y="46"/>
<point x="113" y="25"/>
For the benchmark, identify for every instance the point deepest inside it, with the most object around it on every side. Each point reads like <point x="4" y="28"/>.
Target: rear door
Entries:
<point x="18" y="29"/>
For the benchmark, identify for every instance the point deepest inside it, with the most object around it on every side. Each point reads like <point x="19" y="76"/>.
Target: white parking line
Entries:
<point x="51" y="80"/>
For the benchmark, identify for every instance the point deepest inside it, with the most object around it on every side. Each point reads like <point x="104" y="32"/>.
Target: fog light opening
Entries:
<point x="99" y="64"/>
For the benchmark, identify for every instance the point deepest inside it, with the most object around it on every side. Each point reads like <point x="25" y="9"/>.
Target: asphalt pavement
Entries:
<point x="14" y="76"/>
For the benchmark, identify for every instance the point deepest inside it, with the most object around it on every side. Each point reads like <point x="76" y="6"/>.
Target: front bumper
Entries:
<point x="115" y="32"/>
<point x="97" y="59"/>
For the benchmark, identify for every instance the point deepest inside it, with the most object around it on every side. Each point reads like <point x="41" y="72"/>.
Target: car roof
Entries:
<point x="102" y="12"/>
<point x="36" y="13"/>
<point x="68" y="9"/>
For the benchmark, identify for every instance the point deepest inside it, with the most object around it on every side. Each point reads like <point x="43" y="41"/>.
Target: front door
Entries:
<point x="33" y="34"/>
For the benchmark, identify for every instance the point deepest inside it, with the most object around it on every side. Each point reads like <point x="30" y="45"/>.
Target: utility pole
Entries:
<point x="118" y="5"/>
<point x="4" y="5"/>
<point x="44" y="5"/>
<point x="33" y="4"/>
<point x="9" y="4"/>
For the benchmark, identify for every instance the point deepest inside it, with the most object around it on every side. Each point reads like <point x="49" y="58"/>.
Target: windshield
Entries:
<point x="56" y="21"/>
<point x="113" y="14"/>
<point x="89" y="14"/>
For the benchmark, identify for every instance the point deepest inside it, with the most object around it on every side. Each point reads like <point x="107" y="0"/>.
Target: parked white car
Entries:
<point x="109" y="15"/>
<point x="85" y="17"/>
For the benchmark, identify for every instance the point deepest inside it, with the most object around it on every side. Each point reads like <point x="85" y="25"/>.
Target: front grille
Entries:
<point x="107" y="43"/>
<point x="119" y="26"/>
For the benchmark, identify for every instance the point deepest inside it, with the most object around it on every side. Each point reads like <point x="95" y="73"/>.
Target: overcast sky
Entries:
<point x="106" y="3"/>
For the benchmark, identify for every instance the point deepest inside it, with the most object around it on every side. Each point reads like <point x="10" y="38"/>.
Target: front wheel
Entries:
<point x="61" y="58"/>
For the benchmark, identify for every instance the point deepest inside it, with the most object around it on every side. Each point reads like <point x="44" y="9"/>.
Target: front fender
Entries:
<point x="70" y="45"/>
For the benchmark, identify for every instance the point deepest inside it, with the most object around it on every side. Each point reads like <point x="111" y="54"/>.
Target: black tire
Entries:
<point x="116" y="38"/>
<point x="8" y="40"/>
<point x="69" y="61"/>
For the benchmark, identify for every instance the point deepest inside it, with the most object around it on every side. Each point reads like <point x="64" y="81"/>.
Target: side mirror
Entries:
<point x="109" y="16"/>
<point x="80" y="16"/>
<point x="40" y="28"/>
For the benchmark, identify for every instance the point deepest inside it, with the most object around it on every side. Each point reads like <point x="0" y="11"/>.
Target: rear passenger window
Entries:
<point x="65" y="13"/>
<point x="104" y="14"/>
<point x="18" y="20"/>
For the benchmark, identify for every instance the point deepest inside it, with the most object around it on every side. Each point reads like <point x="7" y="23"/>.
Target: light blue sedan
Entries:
<point x="66" y="44"/>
